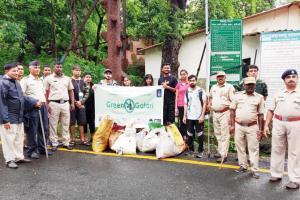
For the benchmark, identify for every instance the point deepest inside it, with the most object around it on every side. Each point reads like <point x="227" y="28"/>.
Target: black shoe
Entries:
<point x="24" y="161"/>
<point x="68" y="147"/>
<point x="219" y="160"/>
<point x="54" y="148"/>
<point x="34" y="156"/>
<point x="241" y="170"/>
<point x="12" y="165"/>
<point x="50" y="153"/>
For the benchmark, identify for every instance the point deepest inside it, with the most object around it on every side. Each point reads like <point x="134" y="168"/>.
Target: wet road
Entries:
<point x="70" y="175"/>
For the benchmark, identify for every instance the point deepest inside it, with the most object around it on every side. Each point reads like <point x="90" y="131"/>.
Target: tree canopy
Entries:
<point x="44" y="29"/>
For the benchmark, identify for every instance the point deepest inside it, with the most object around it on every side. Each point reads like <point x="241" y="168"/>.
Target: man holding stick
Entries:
<point x="32" y="86"/>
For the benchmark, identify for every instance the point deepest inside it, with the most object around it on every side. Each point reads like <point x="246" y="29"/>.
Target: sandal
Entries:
<point x="85" y="143"/>
<point x="72" y="143"/>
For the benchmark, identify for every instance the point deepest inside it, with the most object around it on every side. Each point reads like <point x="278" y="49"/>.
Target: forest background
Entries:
<point x="46" y="30"/>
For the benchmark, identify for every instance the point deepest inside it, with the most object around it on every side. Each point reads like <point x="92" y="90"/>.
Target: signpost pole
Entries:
<point x="208" y="72"/>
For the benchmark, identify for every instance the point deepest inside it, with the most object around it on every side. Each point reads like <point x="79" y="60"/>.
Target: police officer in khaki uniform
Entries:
<point x="246" y="116"/>
<point x="221" y="96"/>
<point x="32" y="86"/>
<point x="285" y="109"/>
<point x="60" y="99"/>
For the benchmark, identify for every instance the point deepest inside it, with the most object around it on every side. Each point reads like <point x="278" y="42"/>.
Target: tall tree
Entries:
<point x="171" y="45"/>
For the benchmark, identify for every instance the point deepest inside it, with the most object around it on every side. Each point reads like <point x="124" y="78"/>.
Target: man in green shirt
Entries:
<point x="261" y="86"/>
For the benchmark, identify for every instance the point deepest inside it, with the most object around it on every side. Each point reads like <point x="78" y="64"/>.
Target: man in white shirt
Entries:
<point x="194" y="112"/>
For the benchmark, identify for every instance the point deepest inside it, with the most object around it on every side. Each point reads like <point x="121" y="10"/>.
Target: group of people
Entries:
<point x="238" y="111"/>
<point x="36" y="105"/>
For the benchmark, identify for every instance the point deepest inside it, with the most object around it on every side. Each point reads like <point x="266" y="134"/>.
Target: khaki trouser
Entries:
<point x="247" y="136"/>
<point x="221" y="130"/>
<point x="286" y="135"/>
<point x="12" y="142"/>
<point x="59" y="112"/>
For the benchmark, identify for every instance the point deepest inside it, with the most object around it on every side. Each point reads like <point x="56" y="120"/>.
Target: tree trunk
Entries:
<point x="97" y="42"/>
<point x="171" y="46"/>
<point x="113" y="38"/>
<point x="170" y="52"/>
<point x="74" y="25"/>
<point x="80" y="29"/>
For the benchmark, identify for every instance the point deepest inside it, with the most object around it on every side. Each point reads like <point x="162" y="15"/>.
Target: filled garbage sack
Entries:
<point x="151" y="140"/>
<point x="126" y="143"/>
<point x="116" y="131"/>
<point x="179" y="142"/>
<point x="170" y="143"/>
<point x="114" y="135"/>
<point x="140" y="139"/>
<point x="101" y="136"/>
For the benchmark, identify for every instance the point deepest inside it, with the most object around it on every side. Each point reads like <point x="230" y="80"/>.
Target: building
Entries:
<point x="283" y="18"/>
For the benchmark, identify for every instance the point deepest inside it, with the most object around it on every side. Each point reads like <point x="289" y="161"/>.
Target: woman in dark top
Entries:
<point x="90" y="106"/>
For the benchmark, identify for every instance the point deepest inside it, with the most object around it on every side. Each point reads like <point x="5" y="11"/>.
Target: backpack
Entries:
<point x="200" y="96"/>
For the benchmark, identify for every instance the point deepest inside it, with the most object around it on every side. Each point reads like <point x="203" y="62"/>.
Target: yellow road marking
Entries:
<point x="174" y="160"/>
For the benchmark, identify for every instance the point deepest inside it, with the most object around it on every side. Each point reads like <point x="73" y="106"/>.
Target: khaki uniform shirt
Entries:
<point x="247" y="107"/>
<point x="58" y="86"/>
<point x="33" y="87"/>
<point x="221" y="96"/>
<point x="286" y="103"/>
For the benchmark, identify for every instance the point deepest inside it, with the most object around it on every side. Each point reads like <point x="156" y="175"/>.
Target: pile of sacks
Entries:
<point x="166" y="141"/>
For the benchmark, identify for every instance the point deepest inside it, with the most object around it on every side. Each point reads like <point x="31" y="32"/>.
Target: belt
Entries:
<point x="247" y="124"/>
<point x="287" y="119"/>
<point x="221" y="111"/>
<point x="59" y="101"/>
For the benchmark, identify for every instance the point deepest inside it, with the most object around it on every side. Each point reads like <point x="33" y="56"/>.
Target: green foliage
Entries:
<point x="222" y="9"/>
<point x="135" y="76"/>
<point x="86" y="66"/>
<point x="154" y="19"/>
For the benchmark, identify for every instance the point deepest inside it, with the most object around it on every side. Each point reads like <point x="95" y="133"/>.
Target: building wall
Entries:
<point x="250" y="45"/>
<point x="189" y="57"/>
<point x="192" y="46"/>
<point x="284" y="19"/>
<point x="153" y="62"/>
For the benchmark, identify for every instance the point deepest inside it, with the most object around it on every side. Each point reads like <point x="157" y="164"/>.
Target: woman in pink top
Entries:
<point x="181" y="89"/>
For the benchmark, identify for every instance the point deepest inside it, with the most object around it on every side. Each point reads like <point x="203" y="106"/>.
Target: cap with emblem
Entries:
<point x="249" y="80"/>
<point x="289" y="72"/>
<point x="221" y="73"/>
<point x="34" y="63"/>
<point x="107" y="71"/>
<point x="9" y="66"/>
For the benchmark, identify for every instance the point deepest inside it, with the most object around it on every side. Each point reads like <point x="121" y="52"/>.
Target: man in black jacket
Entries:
<point x="13" y="103"/>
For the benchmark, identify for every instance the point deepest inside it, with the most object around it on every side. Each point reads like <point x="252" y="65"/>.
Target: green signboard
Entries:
<point x="226" y="48"/>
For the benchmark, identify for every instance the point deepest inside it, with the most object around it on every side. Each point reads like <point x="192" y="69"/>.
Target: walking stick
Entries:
<point x="223" y="156"/>
<point x="208" y="136"/>
<point x="43" y="132"/>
